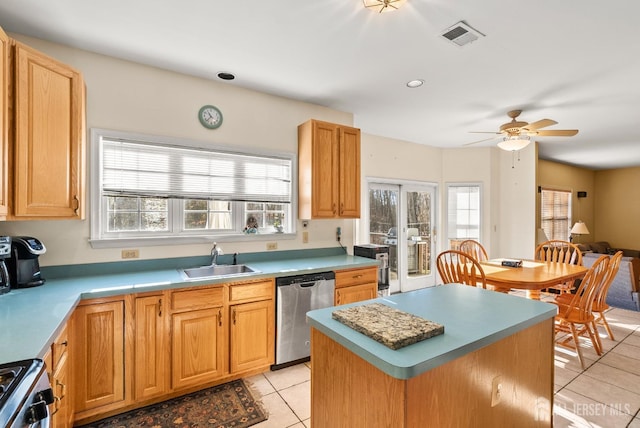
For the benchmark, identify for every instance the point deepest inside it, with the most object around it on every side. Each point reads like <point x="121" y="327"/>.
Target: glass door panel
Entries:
<point x="418" y="243"/>
<point x="383" y="224"/>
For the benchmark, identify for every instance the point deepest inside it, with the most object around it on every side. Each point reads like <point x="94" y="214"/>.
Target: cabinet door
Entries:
<point x="325" y="170"/>
<point x="49" y="138"/>
<point x="150" y="370"/>
<point x="62" y="416"/>
<point x="252" y="335"/>
<point x="198" y="347"/>
<point x="4" y="123"/>
<point x="349" y="173"/>
<point x="356" y="293"/>
<point x="99" y="348"/>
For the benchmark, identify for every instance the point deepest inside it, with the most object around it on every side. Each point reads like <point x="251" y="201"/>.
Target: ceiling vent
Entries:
<point x="461" y="34"/>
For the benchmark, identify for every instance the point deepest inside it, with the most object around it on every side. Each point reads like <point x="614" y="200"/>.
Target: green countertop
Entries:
<point x="31" y="318"/>
<point x="472" y="318"/>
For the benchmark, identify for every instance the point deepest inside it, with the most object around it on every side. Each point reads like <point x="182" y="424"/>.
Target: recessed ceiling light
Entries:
<point x="415" y="83"/>
<point x="226" y="76"/>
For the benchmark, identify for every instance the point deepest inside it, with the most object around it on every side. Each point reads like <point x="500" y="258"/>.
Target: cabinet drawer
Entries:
<point x="347" y="278"/>
<point x="59" y="347"/>
<point x="251" y="291"/>
<point x="194" y="299"/>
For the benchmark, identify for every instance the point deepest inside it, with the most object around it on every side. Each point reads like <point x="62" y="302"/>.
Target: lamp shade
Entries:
<point x="514" y="143"/>
<point x="579" y="228"/>
<point x="383" y="6"/>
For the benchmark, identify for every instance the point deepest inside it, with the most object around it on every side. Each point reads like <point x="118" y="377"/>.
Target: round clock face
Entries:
<point x="210" y="117"/>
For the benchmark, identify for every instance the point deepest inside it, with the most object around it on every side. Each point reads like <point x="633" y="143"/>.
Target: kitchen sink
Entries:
<point x="216" y="271"/>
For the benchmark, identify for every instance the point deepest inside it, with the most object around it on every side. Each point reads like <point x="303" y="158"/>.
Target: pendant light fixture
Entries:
<point x="383" y="6"/>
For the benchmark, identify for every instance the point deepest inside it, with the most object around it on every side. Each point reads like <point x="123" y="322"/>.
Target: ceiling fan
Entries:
<point x="517" y="134"/>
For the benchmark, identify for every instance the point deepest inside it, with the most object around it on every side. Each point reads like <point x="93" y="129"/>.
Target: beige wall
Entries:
<point x="132" y="97"/>
<point x="617" y="207"/>
<point x="559" y="176"/>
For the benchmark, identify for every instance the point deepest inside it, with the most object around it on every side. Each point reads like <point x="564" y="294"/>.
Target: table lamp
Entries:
<point x="541" y="236"/>
<point x="579" y="228"/>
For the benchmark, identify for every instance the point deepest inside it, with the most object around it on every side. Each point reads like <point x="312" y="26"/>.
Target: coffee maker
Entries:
<point x="5" y="253"/>
<point x="24" y="269"/>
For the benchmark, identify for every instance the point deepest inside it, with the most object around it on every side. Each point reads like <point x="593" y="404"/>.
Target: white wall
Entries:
<point x="132" y="97"/>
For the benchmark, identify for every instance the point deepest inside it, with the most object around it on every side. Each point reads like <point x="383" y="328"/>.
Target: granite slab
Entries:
<point x="391" y="327"/>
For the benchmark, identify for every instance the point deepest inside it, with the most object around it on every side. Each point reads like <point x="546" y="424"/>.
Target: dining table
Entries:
<point x="531" y="276"/>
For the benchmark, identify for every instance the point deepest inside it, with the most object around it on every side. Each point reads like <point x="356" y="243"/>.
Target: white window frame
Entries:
<point x="98" y="210"/>
<point x="446" y="204"/>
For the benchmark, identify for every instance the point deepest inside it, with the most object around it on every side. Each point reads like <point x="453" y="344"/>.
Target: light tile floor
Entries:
<point x="606" y="394"/>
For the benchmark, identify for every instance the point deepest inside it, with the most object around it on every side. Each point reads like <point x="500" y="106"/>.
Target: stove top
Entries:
<point x="10" y="375"/>
<point x="25" y="394"/>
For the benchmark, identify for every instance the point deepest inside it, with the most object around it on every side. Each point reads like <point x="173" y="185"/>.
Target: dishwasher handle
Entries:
<point x="307" y="284"/>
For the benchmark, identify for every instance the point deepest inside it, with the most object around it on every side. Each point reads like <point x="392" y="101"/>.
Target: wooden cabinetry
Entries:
<point x="42" y="135"/>
<point x="355" y="285"/>
<point x="47" y="138"/>
<point x="252" y="326"/>
<point x="4" y="124"/>
<point x="98" y="364"/>
<point x="328" y="170"/>
<point x="150" y="370"/>
<point x="56" y="362"/>
<point x="198" y="338"/>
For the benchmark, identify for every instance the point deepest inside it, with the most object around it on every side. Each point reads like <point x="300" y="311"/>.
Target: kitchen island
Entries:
<point x="493" y="366"/>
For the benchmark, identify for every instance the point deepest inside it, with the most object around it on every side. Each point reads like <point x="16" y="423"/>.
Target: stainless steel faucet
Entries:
<point x="215" y="252"/>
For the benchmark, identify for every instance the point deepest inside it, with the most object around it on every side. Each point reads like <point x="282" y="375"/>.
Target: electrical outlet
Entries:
<point x="272" y="245"/>
<point x="305" y="237"/>
<point x="338" y="234"/>
<point x="496" y="391"/>
<point x="130" y="254"/>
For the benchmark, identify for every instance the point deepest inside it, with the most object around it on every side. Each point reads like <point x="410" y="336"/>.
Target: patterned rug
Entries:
<point x="230" y="405"/>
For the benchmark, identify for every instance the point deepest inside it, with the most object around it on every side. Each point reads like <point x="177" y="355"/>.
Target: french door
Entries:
<point x="402" y="216"/>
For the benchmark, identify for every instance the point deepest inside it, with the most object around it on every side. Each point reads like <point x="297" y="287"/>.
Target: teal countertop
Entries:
<point x="472" y="318"/>
<point x="31" y="318"/>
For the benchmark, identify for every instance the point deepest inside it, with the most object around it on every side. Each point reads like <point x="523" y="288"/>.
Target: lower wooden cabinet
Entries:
<point x="355" y="285"/>
<point x="56" y="362"/>
<point x="98" y="365"/>
<point x="197" y="347"/>
<point x="150" y="369"/>
<point x="252" y="335"/>
<point x="133" y="350"/>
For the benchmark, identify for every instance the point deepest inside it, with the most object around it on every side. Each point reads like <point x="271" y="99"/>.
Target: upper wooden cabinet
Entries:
<point x="328" y="170"/>
<point x="47" y="138"/>
<point x="4" y="123"/>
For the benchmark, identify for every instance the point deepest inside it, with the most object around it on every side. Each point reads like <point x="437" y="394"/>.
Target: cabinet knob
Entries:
<point x="160" y="307"/>
<point x="77" y="204"/>
<point x="334" y="208"/>
<point x="220" y="317"/>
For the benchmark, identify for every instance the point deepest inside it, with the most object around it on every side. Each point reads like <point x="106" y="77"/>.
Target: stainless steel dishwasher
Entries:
<point x="295" y="296"/>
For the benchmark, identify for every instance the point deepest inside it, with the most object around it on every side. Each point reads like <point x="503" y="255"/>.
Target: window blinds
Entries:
<point x="132" y="168"/>
<point x="463" y="212"/>
<point x="555" y="209"/>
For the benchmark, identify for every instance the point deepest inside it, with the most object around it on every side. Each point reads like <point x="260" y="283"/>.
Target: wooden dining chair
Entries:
<point x="475" y="249"/>
<point x="457" y="267"/>
<point x="576" y="318"/>
<point x="600" y="305"/>
<point x="561" y="252"/>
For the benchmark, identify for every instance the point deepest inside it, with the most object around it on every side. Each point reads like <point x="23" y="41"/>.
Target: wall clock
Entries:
<point x="210" y="117"/>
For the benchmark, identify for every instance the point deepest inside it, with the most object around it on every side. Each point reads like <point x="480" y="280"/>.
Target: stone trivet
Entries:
<point x="391" y="327"/>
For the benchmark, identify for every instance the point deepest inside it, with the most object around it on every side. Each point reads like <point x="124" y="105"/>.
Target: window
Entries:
<point x="463" y="213"/>
<point x="148" y="188"/>
<point x="555" y="214"/>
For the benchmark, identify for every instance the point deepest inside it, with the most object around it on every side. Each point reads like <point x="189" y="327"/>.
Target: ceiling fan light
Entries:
<point x="514" y="143"/>
<point x="383" y="6"/>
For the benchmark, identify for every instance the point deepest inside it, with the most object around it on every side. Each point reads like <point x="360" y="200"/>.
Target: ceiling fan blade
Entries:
<point x="557" y="133"/>
<point x="480" y="141"/>
<point x="485" y="132"/>
<point x="539" y="124"/>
